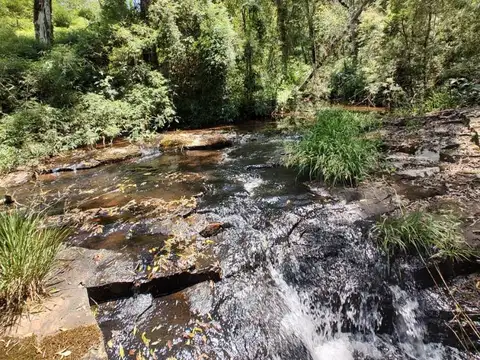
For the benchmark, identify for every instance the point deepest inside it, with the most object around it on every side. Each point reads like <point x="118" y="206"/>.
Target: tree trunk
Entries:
<point x="144" y="4"/>
<point x="42" y="20"/>
<point x="282" y="15"/>
<point x="334" y="44"/>
<point x="311" y="30"/>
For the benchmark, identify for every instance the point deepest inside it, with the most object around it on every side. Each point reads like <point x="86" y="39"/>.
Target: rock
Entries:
<point x="194" y="141"/>
<point x="212" y="230"/>
<point x="89" y="159"/>
<point x="67" y="313"/>
<point x="418" y="173"/>
<point x="116" y="154"/>
<point x="16" y="178"/>
<point x="9" y="200"/>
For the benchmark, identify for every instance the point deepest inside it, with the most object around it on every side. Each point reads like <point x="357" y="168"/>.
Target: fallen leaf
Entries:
<point x="132" y="352"/>
<point x="121" y="352"/>
<point x="169" y="344"/>
<point x="145" y="340"/>
<point x="64" y="353"/>
<point x="110" y="343"/>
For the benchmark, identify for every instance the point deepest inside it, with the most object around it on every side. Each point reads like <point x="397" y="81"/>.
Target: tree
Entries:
<point x="42" y="20"/>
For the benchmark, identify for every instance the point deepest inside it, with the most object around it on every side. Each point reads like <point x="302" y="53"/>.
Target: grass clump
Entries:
<point x="430" y="235"/>
<point x="335" y="148"/>
<point x="27" y="255"/>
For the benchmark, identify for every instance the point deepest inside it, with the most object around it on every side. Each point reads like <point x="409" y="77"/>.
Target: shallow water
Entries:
<point x="301" y="278"/>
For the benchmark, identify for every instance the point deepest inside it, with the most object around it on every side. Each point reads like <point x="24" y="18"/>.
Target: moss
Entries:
<point x="78" y="341"/>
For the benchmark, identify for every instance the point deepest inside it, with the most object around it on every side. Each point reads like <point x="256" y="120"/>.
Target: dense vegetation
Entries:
<point x="27" y="255"/>
<point x="436" y="236"/>
<point x="336" y="148"/>
<point x="128" y="68"/>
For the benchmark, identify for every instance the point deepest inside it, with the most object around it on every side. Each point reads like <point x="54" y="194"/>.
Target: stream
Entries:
<point x="301" y="277"/>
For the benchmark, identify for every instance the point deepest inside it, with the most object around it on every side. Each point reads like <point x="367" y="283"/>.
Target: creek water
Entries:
<point x="301" y="277"/>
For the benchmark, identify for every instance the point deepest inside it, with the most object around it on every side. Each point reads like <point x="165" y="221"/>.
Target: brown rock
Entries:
<point x="212" y="230"/>
<point x="16" y="178"/>
<point x="194" y="141"/>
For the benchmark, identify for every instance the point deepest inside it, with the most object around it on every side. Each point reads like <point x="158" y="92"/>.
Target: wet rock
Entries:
<point x="8" y="200"/>
<point x="156" y="286"/>
<point x="452" y="315"/>
<point x="212" y="230"/>
<point x="194" y="141"/>
<point x="16" y="178"/>
<point x="89" y="159"/>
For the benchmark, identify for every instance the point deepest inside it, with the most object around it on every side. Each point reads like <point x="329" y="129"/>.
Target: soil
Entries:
<point x="77" y="344"/>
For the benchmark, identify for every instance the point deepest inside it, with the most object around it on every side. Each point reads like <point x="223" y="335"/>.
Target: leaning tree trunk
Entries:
<point x="42" y="19"/>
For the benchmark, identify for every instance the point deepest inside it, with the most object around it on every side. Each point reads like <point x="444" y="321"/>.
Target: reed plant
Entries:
<point x="336" y="148"/>
<point x="28" y="251"/>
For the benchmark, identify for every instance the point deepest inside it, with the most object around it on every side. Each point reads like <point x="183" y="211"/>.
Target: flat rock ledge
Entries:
<point x="83" y="159"/>
<point x="195" y="140"/>
<point x="86" y="278"/>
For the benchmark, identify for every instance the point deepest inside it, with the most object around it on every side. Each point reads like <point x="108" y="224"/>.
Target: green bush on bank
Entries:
<point x="429" y="235"/>
<point x="335" y="148"/>
<point x="27" y="255"/>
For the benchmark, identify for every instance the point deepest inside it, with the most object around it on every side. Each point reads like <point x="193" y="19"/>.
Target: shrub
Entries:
<point x="335" y="148"/>
<point x="57" y="76"/>
<point x="62" y="17"/>
<point x="27" y="256"/>
<point x="430" y="235"/>
<point x="440" y="100"/>
<point x="86" y="13"/>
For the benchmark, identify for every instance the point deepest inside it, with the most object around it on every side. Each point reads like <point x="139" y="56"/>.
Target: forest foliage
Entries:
<point x="130" y="68"/>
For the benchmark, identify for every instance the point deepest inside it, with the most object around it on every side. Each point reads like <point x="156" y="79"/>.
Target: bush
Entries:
<point x="335" y="148"/>
<point x="62" y="17"/>
<point x="430" y="235"/>
<point x="440" y="100"/>
<point x="57" y="76"/>
<point x="27" y="256"/>
<point x="86" y="13"/>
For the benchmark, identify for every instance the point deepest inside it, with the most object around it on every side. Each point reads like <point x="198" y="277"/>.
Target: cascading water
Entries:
<point x="301" y="278"/>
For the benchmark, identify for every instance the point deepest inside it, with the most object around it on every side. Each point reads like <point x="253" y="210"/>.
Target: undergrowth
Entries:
<point x="27" y="255"/>
<point x="434" y="236"/>
<point x="335" y="148"/>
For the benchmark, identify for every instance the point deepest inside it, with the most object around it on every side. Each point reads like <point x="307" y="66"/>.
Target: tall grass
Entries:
<point x="430" y="235"/>
<point x="336" y="149"/>
<point x="27" y="255"/>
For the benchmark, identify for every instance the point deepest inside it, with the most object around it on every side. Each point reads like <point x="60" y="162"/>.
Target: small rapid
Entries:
<point x="301" y="276"/>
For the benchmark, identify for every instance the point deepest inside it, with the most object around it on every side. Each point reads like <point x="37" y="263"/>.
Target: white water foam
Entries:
<point x="328" y="344"/>
<point x="250" y="183"/>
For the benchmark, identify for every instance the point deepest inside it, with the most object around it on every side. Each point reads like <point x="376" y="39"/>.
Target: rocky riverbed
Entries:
<point x="200" y="246"/>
